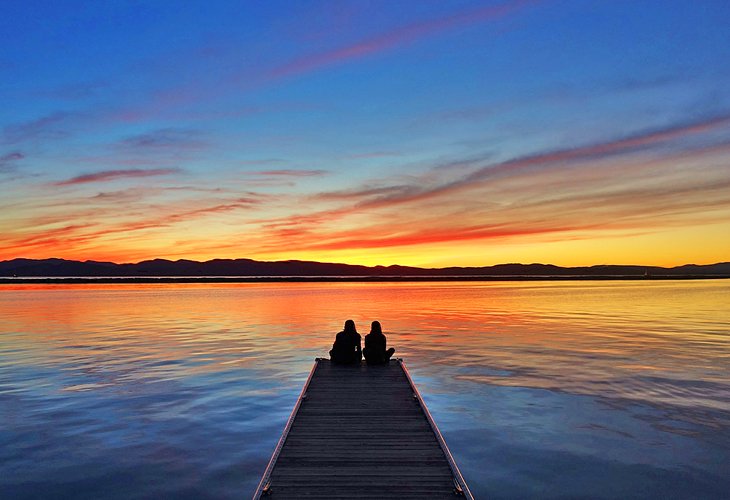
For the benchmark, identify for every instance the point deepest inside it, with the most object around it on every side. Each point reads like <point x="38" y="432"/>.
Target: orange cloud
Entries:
<point x="614" y="189"/>
<point x="661" y="180"/>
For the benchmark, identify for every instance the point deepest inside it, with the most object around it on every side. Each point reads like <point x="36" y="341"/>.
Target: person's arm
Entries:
<point x="359" y="348"/>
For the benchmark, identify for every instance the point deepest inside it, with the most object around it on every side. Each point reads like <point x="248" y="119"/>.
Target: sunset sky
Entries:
<point x="430" y="133"/>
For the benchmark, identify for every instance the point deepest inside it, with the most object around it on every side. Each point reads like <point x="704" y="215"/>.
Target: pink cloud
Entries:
<point x="633" y="191"/>
<point x="383" y="196"/>
<point x="622" y="146"/>
<point x="169" y="101"/>
<point x="395" y="38"/>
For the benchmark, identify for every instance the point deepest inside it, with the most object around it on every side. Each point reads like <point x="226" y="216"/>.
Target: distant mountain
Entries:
<point x="247" y="268"/>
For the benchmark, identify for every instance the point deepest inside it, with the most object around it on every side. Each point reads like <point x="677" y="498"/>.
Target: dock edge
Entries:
<point x="460" y="486"/>
<point x="263" y="487"/>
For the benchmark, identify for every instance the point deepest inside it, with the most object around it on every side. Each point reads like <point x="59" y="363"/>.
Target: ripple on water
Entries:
<point x="546" y="390"/>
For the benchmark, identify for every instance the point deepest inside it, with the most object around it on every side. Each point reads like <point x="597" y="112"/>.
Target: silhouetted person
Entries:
<point x="376" y="352"/>
<point x="347" y="347"/>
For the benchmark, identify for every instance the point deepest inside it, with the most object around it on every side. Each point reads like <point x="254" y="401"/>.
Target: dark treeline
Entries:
<point x="246" y="267"/>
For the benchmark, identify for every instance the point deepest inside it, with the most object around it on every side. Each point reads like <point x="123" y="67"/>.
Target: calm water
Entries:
<point x="543" y="390"/>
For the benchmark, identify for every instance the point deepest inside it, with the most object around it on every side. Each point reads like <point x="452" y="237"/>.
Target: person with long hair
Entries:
<point x="376" y="351"/>
<point x="347" y="347"/>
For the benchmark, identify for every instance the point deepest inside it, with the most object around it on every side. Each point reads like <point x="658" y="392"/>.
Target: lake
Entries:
<point x="541" y="389"/>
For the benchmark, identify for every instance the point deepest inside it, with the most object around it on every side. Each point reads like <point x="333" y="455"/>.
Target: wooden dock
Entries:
<point x="361" y="432"/>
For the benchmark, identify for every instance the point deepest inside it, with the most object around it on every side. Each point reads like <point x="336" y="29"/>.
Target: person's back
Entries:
<point x="376" y="351"/>
<point x="347" y="347"/>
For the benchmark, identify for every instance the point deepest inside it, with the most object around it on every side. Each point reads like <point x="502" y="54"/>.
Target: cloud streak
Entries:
<point x="101" y="224"/>
<point x="112" y="175"/>
<point x="289" y="173"/>
<point x="46" y="127"/>
<point x="8" y="161"/>
<point x="74" y="91"/>
<point x="395" y="38"/>
<point x="620" y="184"/>
<point x="165" y="139"/>
<point x="182" y="95"/>
<point x="372" y="154"/>
<point x="369" y="197"/>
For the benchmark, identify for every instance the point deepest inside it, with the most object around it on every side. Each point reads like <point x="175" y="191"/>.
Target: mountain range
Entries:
<point x="54" y="268"/>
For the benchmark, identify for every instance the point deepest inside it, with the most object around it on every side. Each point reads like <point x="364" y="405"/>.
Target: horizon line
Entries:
<point x="362" y="265"/>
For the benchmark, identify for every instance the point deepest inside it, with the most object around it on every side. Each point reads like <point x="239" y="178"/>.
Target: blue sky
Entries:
<point x="134" y="130"/>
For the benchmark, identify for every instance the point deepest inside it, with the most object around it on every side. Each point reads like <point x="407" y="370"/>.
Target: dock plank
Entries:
<point x="361" y="432"/>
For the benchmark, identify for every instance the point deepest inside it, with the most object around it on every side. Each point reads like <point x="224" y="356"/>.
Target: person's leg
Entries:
<point x="389" y="353"/>
<point x="337" y="357"/>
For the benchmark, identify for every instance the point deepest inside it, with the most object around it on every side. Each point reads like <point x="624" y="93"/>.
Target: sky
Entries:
<point x="428" y="133"/>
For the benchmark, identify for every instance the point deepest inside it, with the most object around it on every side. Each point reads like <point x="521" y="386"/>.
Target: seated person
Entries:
<point x="347" y="347"/>
<point x="375" y="346"/>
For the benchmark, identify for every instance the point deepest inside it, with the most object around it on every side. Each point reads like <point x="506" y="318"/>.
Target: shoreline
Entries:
<point x="335" y="279"/>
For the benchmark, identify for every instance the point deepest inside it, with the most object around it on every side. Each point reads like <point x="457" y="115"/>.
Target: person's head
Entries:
<point x="375" y="327"/>
<point x="350" y="326"/>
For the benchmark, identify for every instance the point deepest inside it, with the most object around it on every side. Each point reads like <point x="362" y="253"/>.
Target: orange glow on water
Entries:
<point x="527" y="357"/>
<point x="221" y="324"/>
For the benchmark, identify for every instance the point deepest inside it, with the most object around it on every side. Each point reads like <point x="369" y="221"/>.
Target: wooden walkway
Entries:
<point x="361" y="432"/>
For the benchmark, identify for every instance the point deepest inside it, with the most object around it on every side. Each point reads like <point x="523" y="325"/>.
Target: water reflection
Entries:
<point x="613" y="389"/>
